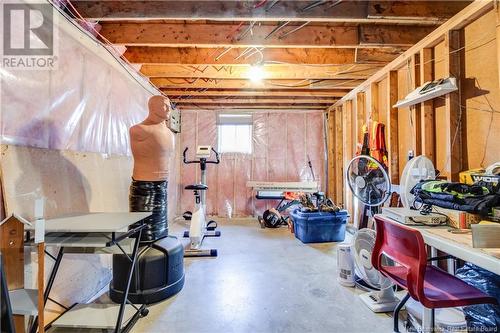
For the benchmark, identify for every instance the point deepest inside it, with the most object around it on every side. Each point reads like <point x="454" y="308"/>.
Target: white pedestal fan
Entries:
<point x="369" y="182"/>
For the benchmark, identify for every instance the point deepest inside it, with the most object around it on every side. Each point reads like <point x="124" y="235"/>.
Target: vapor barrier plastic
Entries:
<point x="86" y="103"/>
<point x="282" y="142"/>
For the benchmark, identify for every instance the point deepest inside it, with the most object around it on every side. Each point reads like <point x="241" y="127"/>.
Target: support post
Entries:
<point x="373" y="102"/>
<point x="427" y="108"/>
<point x="348" y="132"/>
<point x="497" y="11"/>
<point x="360" y="119"/>
<point x="331" y="138"/>
<point x="416" y="109"/>
<point x="392" y="126"/>
<point x="339" y="157"/>
<point x="453" y="131"/>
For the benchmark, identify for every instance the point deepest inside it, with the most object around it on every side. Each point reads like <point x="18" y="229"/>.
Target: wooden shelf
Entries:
<point x="100" y="316"/>
<point x="24" y="302"/>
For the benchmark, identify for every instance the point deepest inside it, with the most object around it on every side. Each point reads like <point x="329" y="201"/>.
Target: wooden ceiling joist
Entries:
<point x="209" y="56"/>
<point x="271" y="71"/>
<point x="223" y="35"/>
<point x="199" y="52"/>
<point x="175" y="93"/>
<point x="394" y="12"/>
<point x="169" y="83"/>
<point x="319" y="107"/>
<point x="267" y="101"/>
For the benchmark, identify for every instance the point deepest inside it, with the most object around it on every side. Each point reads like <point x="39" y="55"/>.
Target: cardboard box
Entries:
<point x="458" y="219"/>
<point x="475" y="175"/>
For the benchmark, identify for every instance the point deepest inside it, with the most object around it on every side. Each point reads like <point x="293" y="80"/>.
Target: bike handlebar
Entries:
<point x="217" y="158"/>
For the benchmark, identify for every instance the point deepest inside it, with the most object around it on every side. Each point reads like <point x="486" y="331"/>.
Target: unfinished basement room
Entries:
<point x="250" y="166"/>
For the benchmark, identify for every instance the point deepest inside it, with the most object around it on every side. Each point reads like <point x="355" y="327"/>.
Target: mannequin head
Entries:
<point x="159" y="109"/>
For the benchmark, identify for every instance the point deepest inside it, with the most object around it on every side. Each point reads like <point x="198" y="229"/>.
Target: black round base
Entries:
<point x="158" y="273"/>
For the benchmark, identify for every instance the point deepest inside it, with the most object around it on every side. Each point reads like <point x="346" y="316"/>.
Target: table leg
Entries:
<point x="129" y="279"/>
<point x="450" y="263"/>
<point x="41" y="285"/>
<point x="428" y="314"/>
<point x="434" y="253"/>
<point x="428" y="320"/>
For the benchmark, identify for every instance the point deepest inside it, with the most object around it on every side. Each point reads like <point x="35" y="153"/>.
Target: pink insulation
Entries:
<point x="282" y="143"/>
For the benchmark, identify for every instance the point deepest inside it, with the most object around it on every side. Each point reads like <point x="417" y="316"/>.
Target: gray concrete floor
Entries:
<point x="264" y="280"/>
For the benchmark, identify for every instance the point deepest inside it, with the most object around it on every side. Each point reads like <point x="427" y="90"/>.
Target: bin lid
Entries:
<point x="298" y="213"/>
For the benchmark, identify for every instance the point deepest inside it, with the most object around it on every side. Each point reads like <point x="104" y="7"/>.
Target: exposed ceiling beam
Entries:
<point x="169" y="83"/>
<point x="268" y="101"/>
<point x="271" y="71"/>
<point x="167" y="55"/>
<point x="225" y="35"/>
<point x="400" y="12"/>
<point x="195" y="106"/>
<point x="175" y="93"/>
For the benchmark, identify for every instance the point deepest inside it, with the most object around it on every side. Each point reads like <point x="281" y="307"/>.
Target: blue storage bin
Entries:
<point x="319" y="227"/>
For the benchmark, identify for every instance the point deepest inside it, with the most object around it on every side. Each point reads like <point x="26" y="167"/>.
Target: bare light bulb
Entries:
<point x="256" y="73"/>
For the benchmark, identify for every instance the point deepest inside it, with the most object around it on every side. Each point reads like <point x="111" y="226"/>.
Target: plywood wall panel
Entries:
<point x="482" y="93"/>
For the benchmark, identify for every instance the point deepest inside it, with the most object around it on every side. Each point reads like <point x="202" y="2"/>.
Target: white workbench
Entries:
<point x="93" y="222"/>
<point x="460" y="246"/>
<point x="84" y="233"/>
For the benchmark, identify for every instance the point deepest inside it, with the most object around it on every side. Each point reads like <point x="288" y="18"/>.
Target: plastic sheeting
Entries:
<point x="282" y="142"/>
<point x="483" y="317"/>
<point x="87" y="103"/>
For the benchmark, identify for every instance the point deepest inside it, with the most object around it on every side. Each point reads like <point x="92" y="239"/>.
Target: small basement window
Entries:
<point x="234" y="133"/>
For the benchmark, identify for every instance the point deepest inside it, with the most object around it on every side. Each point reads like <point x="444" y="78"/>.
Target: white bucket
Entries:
<point x="345" y="265"/>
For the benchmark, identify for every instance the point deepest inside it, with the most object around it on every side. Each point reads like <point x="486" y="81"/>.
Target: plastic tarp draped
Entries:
<point x="87" y="103"/>
<point x="282" y="141"/>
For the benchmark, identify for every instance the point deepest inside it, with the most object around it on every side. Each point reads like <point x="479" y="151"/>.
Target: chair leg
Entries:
<point x="433" y="320"/>
<point x="396" y="311"/>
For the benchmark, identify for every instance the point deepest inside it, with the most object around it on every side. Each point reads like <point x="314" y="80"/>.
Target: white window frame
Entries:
<point x="233" y="122"/>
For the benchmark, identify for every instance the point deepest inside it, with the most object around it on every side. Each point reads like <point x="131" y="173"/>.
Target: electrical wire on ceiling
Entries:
<point x="260" y="4"/>
<point x="283" y="35"/>
<point x="271" y="5"/>
<point x="223" y="53"/>
<point x="310" y="83"/>
<point x="249" y="30"/>
<point x="314" y="4"/>
<point x="280" y="26"/>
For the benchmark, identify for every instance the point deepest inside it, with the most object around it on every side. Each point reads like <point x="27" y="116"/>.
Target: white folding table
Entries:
<point x="459" y="246"/>
<point x="93" y="233"/>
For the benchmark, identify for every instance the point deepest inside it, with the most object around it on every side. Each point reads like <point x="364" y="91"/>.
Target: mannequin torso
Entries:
<point x="152" y="143"/>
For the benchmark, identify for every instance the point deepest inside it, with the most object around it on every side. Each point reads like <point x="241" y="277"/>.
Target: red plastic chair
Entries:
<point x="429" y="285"/>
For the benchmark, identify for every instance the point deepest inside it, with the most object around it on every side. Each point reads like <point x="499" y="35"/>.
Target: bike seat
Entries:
<point x="196" y="187"/>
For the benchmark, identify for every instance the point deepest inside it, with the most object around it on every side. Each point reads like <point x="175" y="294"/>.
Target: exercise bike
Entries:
<point x="199" y="228"/>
